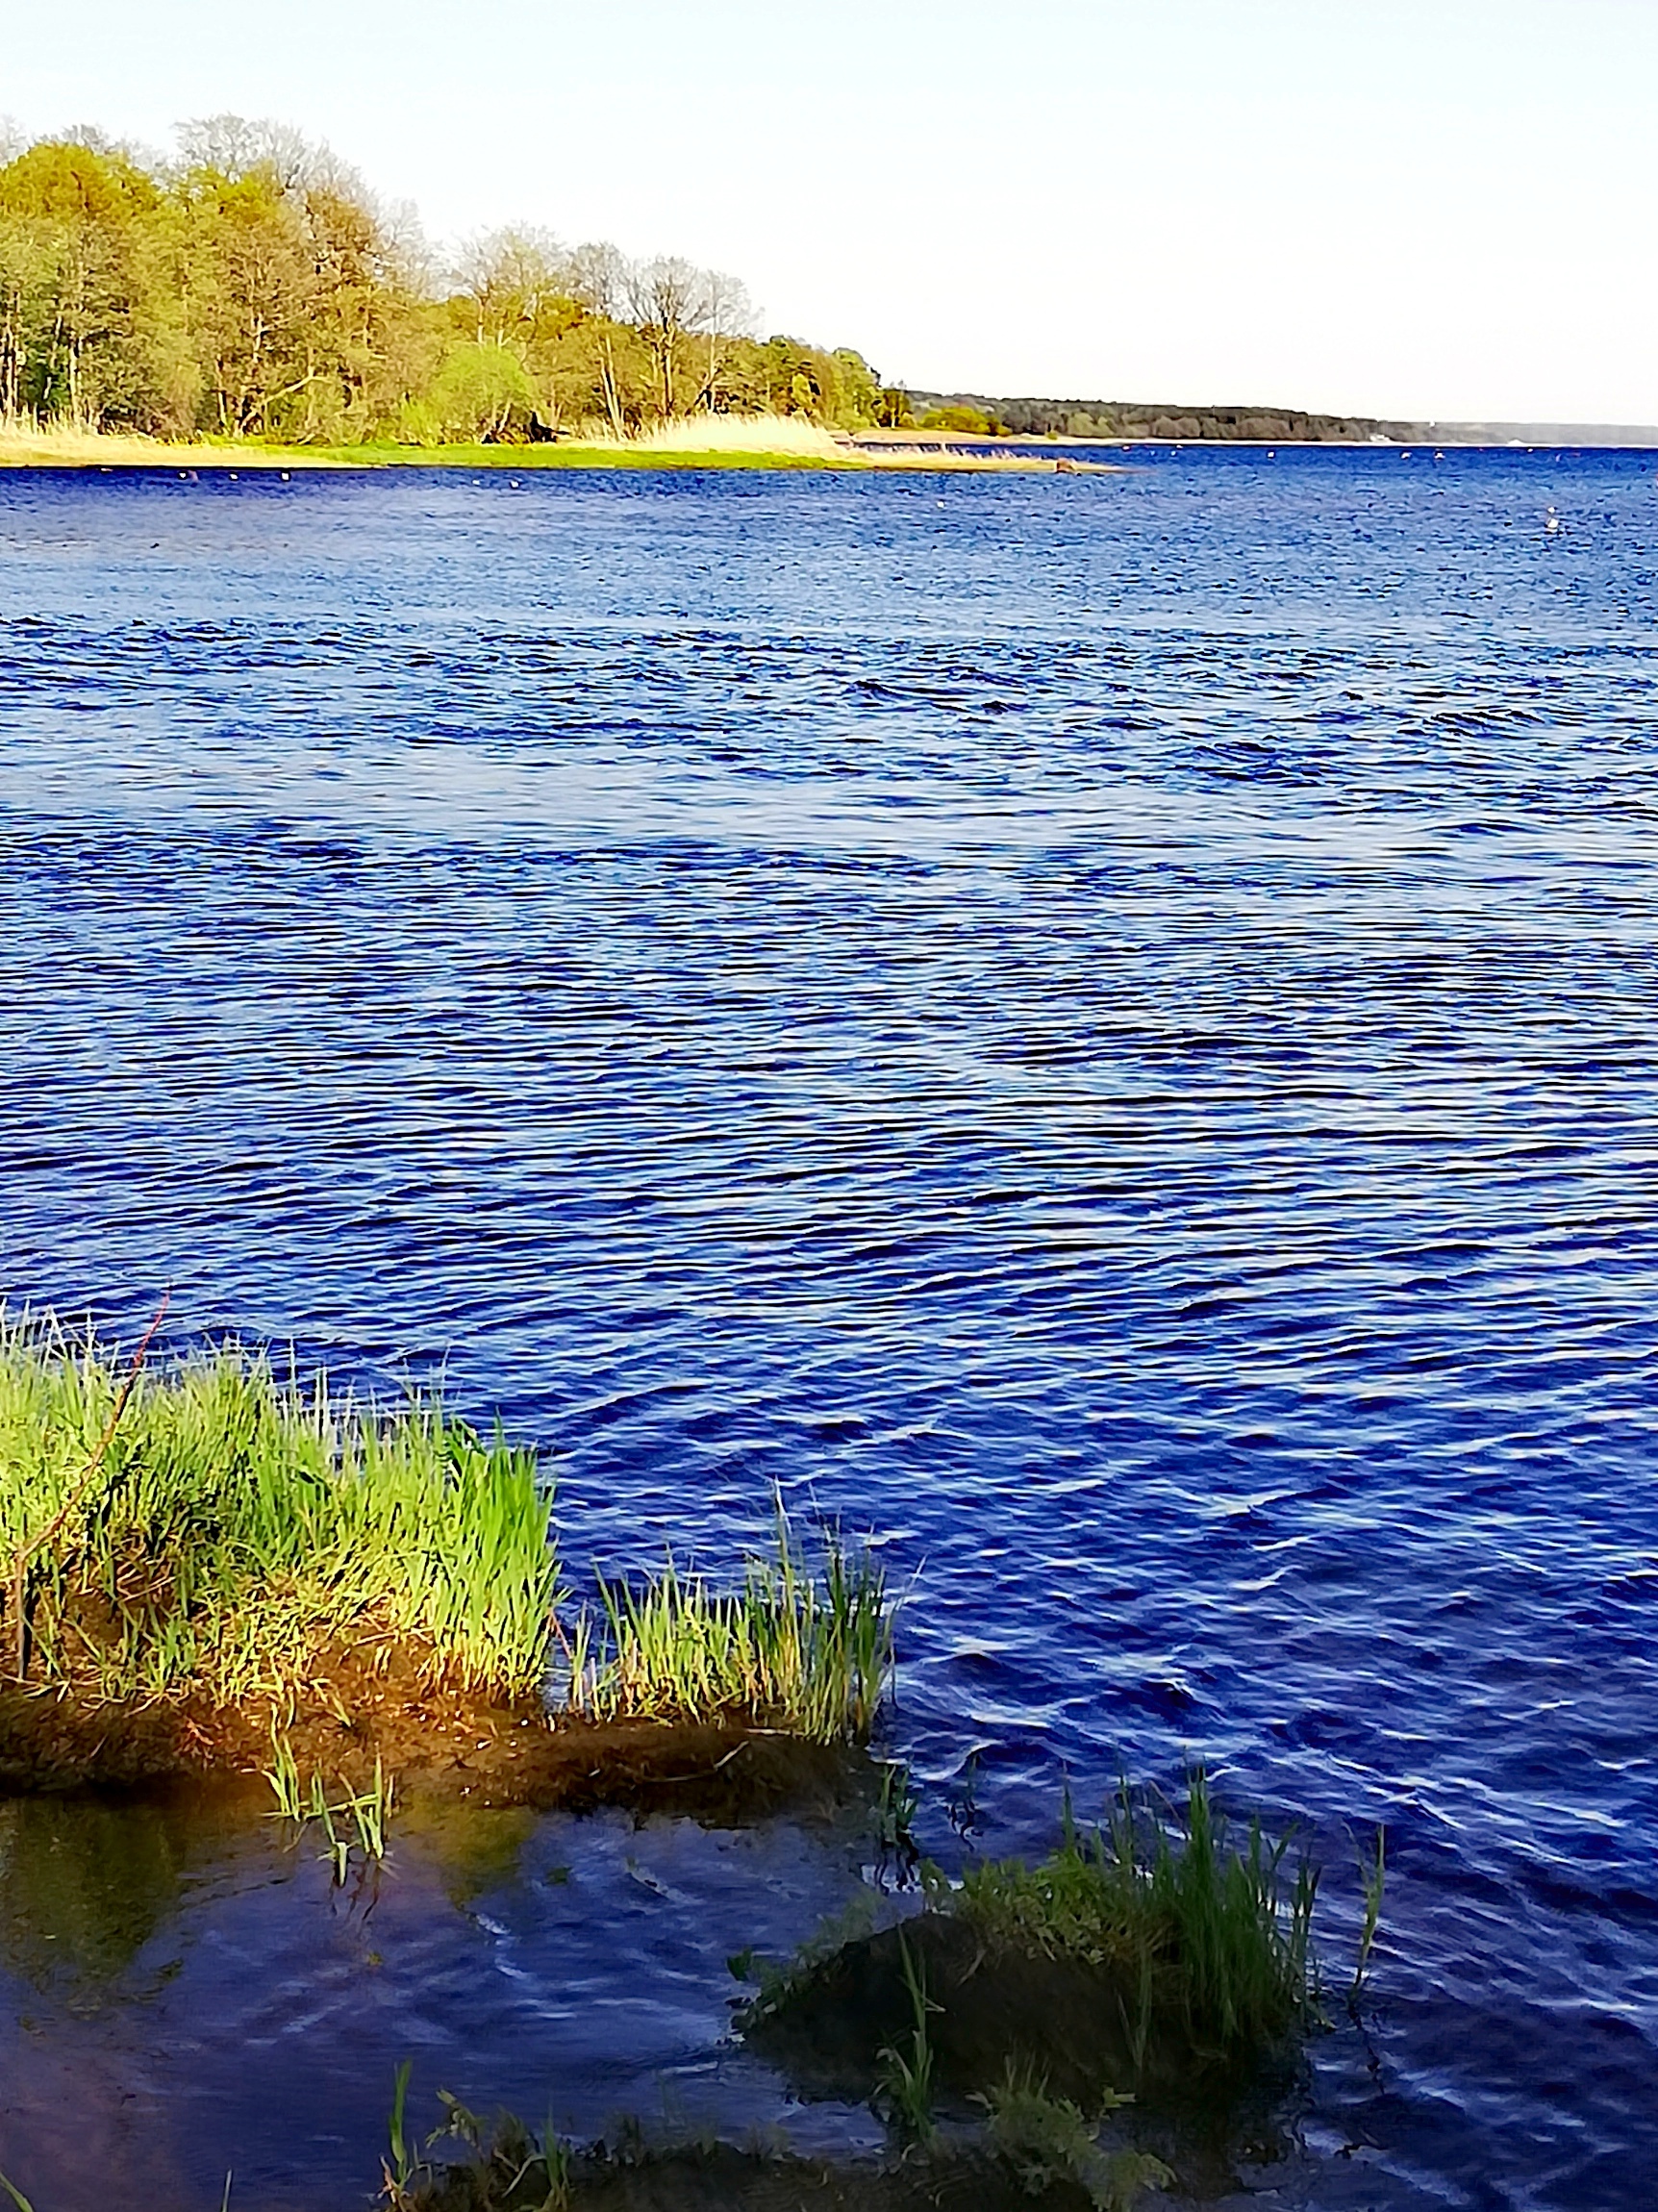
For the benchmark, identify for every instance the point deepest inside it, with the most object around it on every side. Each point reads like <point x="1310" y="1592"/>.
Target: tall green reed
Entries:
<point x="807" y="1650"/>
<point x="1207" y="1932"/>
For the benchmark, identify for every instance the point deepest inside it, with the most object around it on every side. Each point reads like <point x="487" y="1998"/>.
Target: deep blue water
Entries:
<point x="1099" y="1028"/>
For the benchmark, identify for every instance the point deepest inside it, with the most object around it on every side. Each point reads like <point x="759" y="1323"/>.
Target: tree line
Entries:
<point x="252" y="287"/>
<point x="972" y="414"/>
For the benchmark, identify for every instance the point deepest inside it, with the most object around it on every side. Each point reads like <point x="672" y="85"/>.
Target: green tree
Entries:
<point x="95" y="332"/>
<point x="964" y="421"/>
<point x="481" y="392"/>
<point x="252" y="288"/>
<point x="257" y="290"/>
<point x="28" y="264"/>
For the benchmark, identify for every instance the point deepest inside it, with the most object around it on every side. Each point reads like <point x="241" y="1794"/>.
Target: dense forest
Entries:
<point x="253" y="287"/>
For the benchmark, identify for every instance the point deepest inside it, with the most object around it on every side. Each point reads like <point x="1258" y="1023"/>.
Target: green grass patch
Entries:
<point x="806" y="1650"/>
<point x="216" y="1532"/>
<point x="209" y="1529"/>
<point x="1048" y="2142"/>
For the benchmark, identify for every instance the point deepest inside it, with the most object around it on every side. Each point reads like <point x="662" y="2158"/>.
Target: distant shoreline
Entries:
<point x="108" y="452"/>
<point x="725" y="443"/>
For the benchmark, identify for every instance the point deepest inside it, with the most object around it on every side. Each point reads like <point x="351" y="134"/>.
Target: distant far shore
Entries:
<point x="1116" y="422"/>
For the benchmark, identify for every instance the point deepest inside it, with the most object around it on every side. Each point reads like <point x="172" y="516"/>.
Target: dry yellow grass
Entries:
<point x="732" y="434"/>
<point x="792" y="436"/>
<point x="30" y="445"/>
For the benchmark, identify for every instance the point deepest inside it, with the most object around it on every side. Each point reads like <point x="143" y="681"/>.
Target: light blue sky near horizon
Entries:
<point x="1443" y="209"/>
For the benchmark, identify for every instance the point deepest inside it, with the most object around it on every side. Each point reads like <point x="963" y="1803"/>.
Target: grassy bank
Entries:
<point x="681" y="446"/>
<point x="691" y="441"/>
<point x="202" y="1553"/>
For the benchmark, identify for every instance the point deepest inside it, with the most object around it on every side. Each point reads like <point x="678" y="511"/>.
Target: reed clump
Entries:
<point x="738" y="434"/>
<point x="1201" y="1930"/>
<point x="25" y="444"/>
<point x="1160" y="1954"/>
<point x="810" y="1651"/>
<point x="208" y="1530"/>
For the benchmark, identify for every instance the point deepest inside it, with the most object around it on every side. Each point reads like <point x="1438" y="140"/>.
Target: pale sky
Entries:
<point x="1425" y="209"/>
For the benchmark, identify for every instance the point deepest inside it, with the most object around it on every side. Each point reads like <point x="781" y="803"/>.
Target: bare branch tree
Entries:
<point x="238" y="145"/>
<point x="727" y="314"/>
<point x="408" y="255"/>
<point x="598" y="275"/>
<point x="511" y="276"/>
<point x="668" y="297"/>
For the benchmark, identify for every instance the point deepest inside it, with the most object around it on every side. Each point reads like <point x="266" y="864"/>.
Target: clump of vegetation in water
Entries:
<point x="207" y="1530"/>
<point x="810" y="1652"/>
<point x="358" y="1821"/>
<point x="1206" y="1932"/>
<point x="1033" y="2152"/>
<point x="1048" y="2142"/>
<point x="1153" y="1953"/>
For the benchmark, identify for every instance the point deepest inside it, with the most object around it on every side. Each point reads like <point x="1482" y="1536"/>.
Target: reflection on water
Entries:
<point x="190" y="1992"/>
<point x="474" y="1850"/>
<point x="84" y="1886"/>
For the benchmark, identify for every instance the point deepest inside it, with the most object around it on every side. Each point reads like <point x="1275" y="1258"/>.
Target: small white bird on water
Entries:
<point x="1551" y="522"/>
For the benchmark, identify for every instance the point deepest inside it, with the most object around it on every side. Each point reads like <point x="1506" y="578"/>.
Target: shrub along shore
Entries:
<point x="204" y="1560"/>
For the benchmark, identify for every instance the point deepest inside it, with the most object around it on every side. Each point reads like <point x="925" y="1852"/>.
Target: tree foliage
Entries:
<point x="253" y="287"/>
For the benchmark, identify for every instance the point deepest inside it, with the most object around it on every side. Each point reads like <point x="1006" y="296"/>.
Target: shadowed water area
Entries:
<point x="1096" y="1028"/>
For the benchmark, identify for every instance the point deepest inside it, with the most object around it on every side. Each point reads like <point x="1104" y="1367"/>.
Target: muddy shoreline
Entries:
<point x="434" y="1747"/>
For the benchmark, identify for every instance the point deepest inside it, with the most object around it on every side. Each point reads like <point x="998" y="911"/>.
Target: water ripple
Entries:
<point x="1096" y="1028"/>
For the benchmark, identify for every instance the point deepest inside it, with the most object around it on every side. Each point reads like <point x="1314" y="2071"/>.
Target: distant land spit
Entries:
<point x="1114" y="418"/>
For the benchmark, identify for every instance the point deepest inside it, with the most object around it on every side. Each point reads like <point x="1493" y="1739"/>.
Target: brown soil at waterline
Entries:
<point x="374" y="1705"/>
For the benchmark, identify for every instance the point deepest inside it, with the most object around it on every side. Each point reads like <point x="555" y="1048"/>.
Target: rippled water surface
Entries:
<point x="1100" y="1028"/>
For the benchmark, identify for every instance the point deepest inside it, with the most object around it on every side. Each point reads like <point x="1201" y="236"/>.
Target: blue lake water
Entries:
<point x="1098" y="1028"/>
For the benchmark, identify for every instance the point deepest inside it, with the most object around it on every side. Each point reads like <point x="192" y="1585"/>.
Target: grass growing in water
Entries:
<point x="1373" y="1874"/>
<point x="1206" y="1933"/>
<point x="358" y="1820"/>
<point x="905" y="2078"/>
<point x="1046" y="2140"/>
<point x="810" y="1653"/>
<point x="229" y="1526"/>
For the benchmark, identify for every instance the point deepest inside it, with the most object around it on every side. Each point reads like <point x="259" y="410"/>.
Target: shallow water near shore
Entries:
<point x="1094" y="1027"/>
